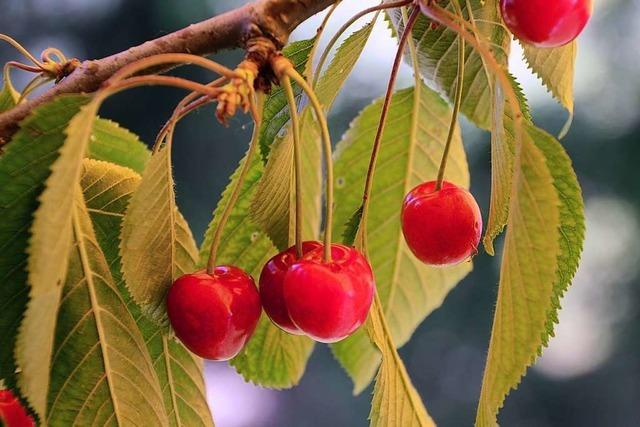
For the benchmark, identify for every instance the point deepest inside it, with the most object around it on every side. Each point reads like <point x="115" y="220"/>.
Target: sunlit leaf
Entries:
<point x="114" y="144"/>
<point x="396" y="403"/>
<point x="541" y="253"/>
<point x="101" y="372"/>
<point x="107" y="190"/>
<point x="157" y="245"/>
<point x="555" y="67"/>
<point x="410" y="153"/>
<point x="8" y="96"/>
<point x="272" y="358"/>
<point x="23" y="170"/>
<point x="49" y="248"/>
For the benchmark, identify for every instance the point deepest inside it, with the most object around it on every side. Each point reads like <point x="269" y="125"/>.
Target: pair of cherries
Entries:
<point x="214" y="315"/>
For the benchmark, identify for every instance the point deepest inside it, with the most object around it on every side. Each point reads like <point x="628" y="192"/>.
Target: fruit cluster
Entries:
<point x="215" y="314"/>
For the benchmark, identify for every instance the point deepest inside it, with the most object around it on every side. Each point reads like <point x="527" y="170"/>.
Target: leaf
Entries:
<point x="23" y="170"/>
<point x="503" y="140"/>
<point x="101" y="371"/>
<point x="555" y="67"/>
<point x="542" y="248"/>
<point x="107" y="189"/>
<point x="275" y="114"/>
<point x="274" y="204"/>
<point x="8" y="97"/>
<point x="157" y="245"/>
<point x="395" y="400"/>
<point x="48" y="261"/>
<point x="272" y="358"/>
<point x="438" y="56"/>
<point x="410" y="153"/>
<point x="114" y="144"/>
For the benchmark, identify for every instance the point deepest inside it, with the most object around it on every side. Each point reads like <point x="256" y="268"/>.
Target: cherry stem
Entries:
<point x="452" y="21"/>
<point x="456" y="106"/>
<point x="188" y="104"/>
<point x="326" y="142"/>
<point x="154" y="80"/>
<point x="256" y="107"/>
<point x="381" y="125"/>
<point x="171" y="58"/>
<point x="345" y="27"/>
<point x="297" y="160"/>
<point x="22" y="50"/>
<point x="319" y="32"/>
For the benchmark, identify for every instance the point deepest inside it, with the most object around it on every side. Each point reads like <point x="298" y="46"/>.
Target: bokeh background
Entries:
<point x="589" y="376"/>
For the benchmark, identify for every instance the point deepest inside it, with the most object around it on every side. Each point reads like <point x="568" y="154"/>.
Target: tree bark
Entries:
<point x="273" y="20"/>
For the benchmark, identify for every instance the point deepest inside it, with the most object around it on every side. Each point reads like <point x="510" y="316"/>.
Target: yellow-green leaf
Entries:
<point x="34" y="148"/>
<point x="396" y="402"/>
<point x="272" y="358"/>
<point x="157" y="245"/>
<point x="528" y="274"/>
<point x="49" y="248"/>
<point x="107" y="189"/>
<point x="101" y="372"/>
<point x="410" y="153"/>
<point x="114" y="144"/>
<point x="555" y="67"/>
<point x="8" y="97"/>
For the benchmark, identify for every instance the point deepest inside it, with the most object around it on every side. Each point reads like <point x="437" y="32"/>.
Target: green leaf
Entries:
<point x="395" y="400"/>
<point x="275" y="114"/>
<point x="274" y="204"/>
<point x="272" y="358"/>
<point x="115" y="144"/>
<point x="8" y="97"/>
<point x="555" y="67"/>
<point x="23" y="170"/>
<point x="108" y="189"/>
<point x="410" y="153"/>
<point x="438" y="55"/>
<point x="541" y="253"/>
<point x="49" y="248"/>
<point x="101" y="371"/>
<point x="157" y="245"/>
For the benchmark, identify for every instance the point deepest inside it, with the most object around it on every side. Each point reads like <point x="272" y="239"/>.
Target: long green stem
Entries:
<point x="297" y="159"/>
<point x="233" y="199"/>
<point x="381" y="125"/>
<point x="345" y="27"/>
<point x="326" y="143"/>
<point x="456" y="106"/>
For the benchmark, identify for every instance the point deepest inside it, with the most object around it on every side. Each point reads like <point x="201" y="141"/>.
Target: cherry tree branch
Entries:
<point x="261" y="27"/>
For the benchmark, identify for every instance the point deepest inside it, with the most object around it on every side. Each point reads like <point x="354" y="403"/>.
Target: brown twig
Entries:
<point x="267" y="21"/>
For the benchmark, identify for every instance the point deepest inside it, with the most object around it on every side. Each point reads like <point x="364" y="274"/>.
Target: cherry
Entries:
<point x="441" y="227"/>
<point x="214" y="315"/>
<point x="545" y="23"/>
<point x="272" y="282"/>
<point x="12" y="413"/>
<point x="328" y="301"/>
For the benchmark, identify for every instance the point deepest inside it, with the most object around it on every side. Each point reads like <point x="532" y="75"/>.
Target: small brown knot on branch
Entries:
<point x="56" y="66"/>
<point x="238" y="92"/>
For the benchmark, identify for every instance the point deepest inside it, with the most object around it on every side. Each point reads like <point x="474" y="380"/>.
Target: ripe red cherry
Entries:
<point x="214" y="315"/>
<point x="272" y="286"/>
<point x="329" y="301"/>
<point x="545" y="23"/>
<point x="441" y="227"/>
<point x="12" y="413"/>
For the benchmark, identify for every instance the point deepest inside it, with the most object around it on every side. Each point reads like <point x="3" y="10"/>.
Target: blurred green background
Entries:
<point x="589" y="376"/>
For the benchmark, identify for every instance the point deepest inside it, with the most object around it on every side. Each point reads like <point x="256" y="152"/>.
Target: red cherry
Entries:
<point x="545" y="23"/>
<point x="272" y="282"/>
<point x="12" y="413"/>
<point x="441" y="227"/>
<point x="329" y="301"/>
<point x="215" y="314"/>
